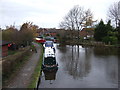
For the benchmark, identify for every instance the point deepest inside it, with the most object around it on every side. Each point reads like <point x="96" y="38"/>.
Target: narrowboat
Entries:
<point x="49" y="60"/>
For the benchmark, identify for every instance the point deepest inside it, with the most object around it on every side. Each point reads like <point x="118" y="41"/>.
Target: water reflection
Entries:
<point x="47" y="78"/>
<point x="91" y="62"/>
<point x="105" y="51"/>
<point x="84" y="67"/>
<point x="112" y="70"/>
<point x="78" y="63"/>
<point x="119" y="68"/>
<point x="50" y="75"/>
<point x="107" y="57"/>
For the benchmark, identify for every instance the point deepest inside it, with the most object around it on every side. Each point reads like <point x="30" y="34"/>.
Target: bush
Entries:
<point x="110" y="39"/>
<point x="12" y="62"/>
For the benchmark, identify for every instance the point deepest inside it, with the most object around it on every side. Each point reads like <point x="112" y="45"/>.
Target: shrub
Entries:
<point x="110" y="39"/>
<point x="11" y="63"/>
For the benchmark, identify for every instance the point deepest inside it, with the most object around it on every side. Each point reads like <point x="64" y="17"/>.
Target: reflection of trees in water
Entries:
<point x="88" y="53"/>
<point x="105" y="51"/>
<point x="63" y="48"/>
<point x="111" y="62"/>
<point x="119" y="68"/>
<point x="76" y="63"/>
<point x="112" y="69"/>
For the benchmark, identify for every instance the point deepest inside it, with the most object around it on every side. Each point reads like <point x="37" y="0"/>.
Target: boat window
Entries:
<point x="49" y="44"/>
<point x="50" y="61"/>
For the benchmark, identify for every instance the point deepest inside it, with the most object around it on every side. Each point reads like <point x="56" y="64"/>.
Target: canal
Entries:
<point x="83" y="67"/>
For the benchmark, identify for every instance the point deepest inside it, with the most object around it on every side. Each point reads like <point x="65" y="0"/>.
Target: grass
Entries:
<point x="16" y="69"/>
<point x="11" y="52"/>
<point x="37" y="72"/>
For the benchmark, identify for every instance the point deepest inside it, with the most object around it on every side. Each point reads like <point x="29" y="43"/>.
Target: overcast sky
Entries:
<point x="47" y="13"/>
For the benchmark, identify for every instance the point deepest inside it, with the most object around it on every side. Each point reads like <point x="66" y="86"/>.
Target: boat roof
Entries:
<point x="49" y="52"/>
<point x="49" y="42"/>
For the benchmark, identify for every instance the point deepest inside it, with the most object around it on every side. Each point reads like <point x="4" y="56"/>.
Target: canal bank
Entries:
<point x="90" y="43"/>
<point x="83" y="67"/>
<point x="23" y="77"/>
<point x="13" y="63"/>
<point x="37" y="71"/>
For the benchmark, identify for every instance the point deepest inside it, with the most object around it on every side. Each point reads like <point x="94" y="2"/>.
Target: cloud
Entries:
<point x="47" y="11"/>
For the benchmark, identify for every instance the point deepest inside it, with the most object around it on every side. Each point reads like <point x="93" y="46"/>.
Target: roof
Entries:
<point x="49" y="44"/>
<point x="49" y="52"/>
<point x="88" y="29"/>
<point x="4" y="43"/>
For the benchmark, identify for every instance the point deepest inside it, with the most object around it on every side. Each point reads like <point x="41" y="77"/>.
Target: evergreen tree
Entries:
<point x="111" y="34"/>
<point x="100" y="31"/>
<point x="109" y="29"/>
<point x="105" y="33"/>
<point x="118" y="29"/>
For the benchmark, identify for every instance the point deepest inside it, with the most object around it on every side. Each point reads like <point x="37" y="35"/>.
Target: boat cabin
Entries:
<point x="48" y="44"/>
<point x="49" y="52"/>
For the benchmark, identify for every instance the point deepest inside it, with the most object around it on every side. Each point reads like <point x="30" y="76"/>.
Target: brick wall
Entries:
<point x="4" y="50"/>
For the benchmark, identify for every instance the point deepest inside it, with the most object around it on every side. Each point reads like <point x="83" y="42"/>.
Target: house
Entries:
<point x="87" y="33"/>
<point x="41" y="31"/>
<point x="52" y="33"/>
<point x="47" y="32"/>
<point x="4" y="51"/>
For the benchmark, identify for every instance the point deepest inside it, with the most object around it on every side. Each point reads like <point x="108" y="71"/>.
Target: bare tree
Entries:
<point x="114" y="12"/>
<point x="76" y="19"/>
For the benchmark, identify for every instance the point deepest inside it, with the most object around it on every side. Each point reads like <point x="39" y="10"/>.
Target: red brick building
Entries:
<point x="47" y="31"/>
<point x="4" y="45"/>
<point x="87" y="33"/>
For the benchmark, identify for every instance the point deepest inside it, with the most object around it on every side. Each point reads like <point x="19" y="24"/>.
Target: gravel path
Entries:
<point x="24" y="75"/>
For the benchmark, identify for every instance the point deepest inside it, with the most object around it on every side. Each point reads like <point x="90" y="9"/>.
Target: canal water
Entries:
<point x="83" y="67"/>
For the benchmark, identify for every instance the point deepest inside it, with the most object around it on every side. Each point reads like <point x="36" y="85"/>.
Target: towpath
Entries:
<point x="24" y="75"/>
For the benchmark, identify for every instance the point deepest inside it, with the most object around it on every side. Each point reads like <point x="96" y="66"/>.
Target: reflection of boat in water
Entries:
<point x="50" y="75"/>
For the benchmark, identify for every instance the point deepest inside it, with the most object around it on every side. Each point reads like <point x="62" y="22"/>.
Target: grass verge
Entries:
<point x="37" y="71"/>
<point x="11" y="52"/>
<point x="6" y="80"/>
